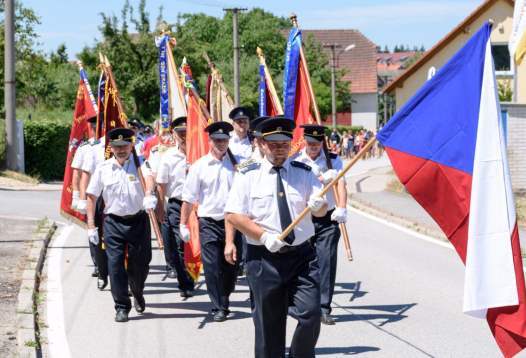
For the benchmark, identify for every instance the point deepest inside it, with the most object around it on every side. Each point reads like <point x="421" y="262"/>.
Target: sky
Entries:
<point x="385" y="22"/>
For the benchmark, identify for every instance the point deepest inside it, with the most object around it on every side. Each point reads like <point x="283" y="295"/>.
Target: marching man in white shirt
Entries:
<point x="327" y="227"/>
<point x="239" y="141"/>
<point x="283" y="275"/>
<point x="171" y="175"/>
<point x="126" y="226"/>
<point x="207" y="184"/>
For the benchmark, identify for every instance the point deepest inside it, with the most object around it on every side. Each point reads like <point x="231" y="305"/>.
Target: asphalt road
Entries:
<point x="400" y="297"/>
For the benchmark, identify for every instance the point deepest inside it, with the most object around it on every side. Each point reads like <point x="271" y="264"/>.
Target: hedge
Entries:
<point x="46" y="143"/>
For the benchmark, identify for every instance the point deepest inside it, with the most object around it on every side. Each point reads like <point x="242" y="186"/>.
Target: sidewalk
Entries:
<point x="17" y="185"/>
<point x="367" y="183"/>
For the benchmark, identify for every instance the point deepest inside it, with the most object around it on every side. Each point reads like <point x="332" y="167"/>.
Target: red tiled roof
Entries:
<point x="359" y="63"/>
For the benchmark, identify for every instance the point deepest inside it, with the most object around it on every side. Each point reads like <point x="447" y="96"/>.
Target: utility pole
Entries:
<point x="235" y="39"/>
<point x="9" y="85"/>
<point x="333" y="48"/>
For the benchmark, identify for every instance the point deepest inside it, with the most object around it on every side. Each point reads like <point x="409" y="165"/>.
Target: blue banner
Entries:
<point x="262" y="92"/>
<point x="290" y="77"/>
<point x="84" y="78"/>
<point x="163" y="81"/>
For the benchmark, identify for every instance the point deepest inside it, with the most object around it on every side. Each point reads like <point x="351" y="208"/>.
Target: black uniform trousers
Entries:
<point x="98" y="254"/>
<point x="325" y="240"/>
<point x="279" y="281"/>
<point x="174" y="246"/>
<point x="131" y="235"/>
<point x="220" y="276"/>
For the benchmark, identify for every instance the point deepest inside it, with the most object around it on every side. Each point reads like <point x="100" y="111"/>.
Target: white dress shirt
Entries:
<point x="240" y="147"/>
<point x="207" y="183"/>
<point x="254" y="194"/>
<point x="80" y="154"/>
<point x="320" y="163"/>
<point x="120" y="186"/>
<point x="95" y="158"/>
<point x="172" y="171"/>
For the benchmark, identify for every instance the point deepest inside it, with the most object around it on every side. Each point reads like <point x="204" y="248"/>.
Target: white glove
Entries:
<point x="93" y="236"/>
<point x="328" y="176"/>
<point x="315" y="203"/>
<point x="149" y="202"/>
<point x="339" y="215"/>
<point x="75" y="199"/>
<point x="82" y="206"/>
<point x="185" y="232"/>
<point x="271" y="241"/>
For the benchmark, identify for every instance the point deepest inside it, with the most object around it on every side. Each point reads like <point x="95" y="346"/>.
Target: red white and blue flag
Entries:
<point x="447" y="146"/>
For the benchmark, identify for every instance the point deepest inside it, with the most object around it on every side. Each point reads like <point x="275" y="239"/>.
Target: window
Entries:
<point x="501" y="57"/>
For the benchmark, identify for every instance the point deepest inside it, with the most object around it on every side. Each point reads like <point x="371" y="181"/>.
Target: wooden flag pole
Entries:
<point x="303" y="61"/>
<point x="214" y="70"/>
<point x="270" y="83"/>
<point x="329" y="186"/>
<point x="153" y="218"/>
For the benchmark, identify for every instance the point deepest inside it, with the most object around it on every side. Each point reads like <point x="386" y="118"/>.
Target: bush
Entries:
<point x="46" y="143"/>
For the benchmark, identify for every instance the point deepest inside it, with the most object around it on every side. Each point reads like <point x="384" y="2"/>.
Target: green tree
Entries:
<point x="128" y="42"/>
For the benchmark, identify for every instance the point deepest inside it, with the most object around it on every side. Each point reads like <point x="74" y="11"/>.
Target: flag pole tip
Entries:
<point x="491" y="21"/>
<point x="259" y="51"/>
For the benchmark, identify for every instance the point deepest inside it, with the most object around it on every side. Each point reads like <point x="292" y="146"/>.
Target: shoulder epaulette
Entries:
<point x="333" y="155"/>
<point x="247" y="166"/>
<point x="301" y="165"/>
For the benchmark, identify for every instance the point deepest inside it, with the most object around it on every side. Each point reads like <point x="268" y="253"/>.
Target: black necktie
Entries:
<point x="283" y="208"/>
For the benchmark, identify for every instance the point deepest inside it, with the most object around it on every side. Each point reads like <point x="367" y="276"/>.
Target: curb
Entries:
<point x="28" y="330"/>
<point x="29" y="188"/>
<point x="397" y="219"/>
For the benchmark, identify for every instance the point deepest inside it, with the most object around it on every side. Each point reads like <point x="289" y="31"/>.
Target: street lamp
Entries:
<point x="334" y="59"/>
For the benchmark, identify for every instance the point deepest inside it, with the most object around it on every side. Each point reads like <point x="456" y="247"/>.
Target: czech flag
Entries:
<point x="447" y="147"/>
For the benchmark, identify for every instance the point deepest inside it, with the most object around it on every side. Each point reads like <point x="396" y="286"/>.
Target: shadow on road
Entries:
<point x="394" y="313"/>
<point x="345" y="350"/>
<point x="352" y="288"/>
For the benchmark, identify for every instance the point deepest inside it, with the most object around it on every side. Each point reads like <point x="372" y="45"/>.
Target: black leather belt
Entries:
<point x="175" y="200"/>
<point x="127" y="217"/>
<point x="289" y="249"/>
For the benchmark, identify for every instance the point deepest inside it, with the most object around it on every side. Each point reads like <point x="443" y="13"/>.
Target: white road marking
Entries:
<point x="403" y="229"/>
<point x="57" y="340"/>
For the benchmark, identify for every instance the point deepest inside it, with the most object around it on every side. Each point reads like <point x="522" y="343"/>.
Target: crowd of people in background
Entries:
<point x="349" y="143"/>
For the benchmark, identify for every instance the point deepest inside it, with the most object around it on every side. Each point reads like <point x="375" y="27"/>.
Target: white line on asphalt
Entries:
<point x="403" y="229"/>
<point x="57" y="340"/>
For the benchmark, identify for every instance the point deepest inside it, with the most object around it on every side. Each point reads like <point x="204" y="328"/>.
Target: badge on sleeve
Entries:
<point x="132" y="177"/>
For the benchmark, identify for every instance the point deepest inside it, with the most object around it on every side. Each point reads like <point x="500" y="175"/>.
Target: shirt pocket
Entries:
<point x="262" y="202"/>
<point x="296" y="200"/>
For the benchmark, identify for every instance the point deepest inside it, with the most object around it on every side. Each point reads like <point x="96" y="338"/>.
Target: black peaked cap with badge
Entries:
<point x="254" y="123"/>
<point x="179" y="124"/>
<point x="219" y="130"/>
<point x="134" y="122"/>
<point x="277" y="128"/>
<point x="240" y="113"/>
<point x="313" y="133"/>
<point x="121" y="136"/>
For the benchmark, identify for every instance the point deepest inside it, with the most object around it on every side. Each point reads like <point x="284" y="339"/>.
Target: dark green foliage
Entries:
<point x="46" y="143"/>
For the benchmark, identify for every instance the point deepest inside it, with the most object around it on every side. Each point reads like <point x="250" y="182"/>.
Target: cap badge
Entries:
<point x="315" y="132"/>
<point x="220" y="130"/>
<point x="120" y="137"/>
<point x="279" y="128"/>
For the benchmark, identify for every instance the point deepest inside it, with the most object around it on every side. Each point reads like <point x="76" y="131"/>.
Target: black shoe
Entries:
<point x="220" y="316"/>
<point x="187" y="293"/>
<point x="327" y="319"/>
<point x="172" y="274"/>
<point x="121" y="316"/>
<point x="102" y="283"/>
<point x="95" y="272"/>
<point x="139" y="304"/>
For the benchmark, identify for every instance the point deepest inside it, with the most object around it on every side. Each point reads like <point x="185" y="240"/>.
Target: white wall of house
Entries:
<point x="364" y="110"/>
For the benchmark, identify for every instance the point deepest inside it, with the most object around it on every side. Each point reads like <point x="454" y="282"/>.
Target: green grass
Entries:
<point x="38" y="114"/>
<point x="18" y="176"/>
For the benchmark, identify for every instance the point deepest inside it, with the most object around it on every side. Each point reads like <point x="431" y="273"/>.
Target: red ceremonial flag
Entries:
<point x="114" y="117"/>
<point x="84" y="109"/>
<point x="196" y="147"/>
<point x="302" y="113"/>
